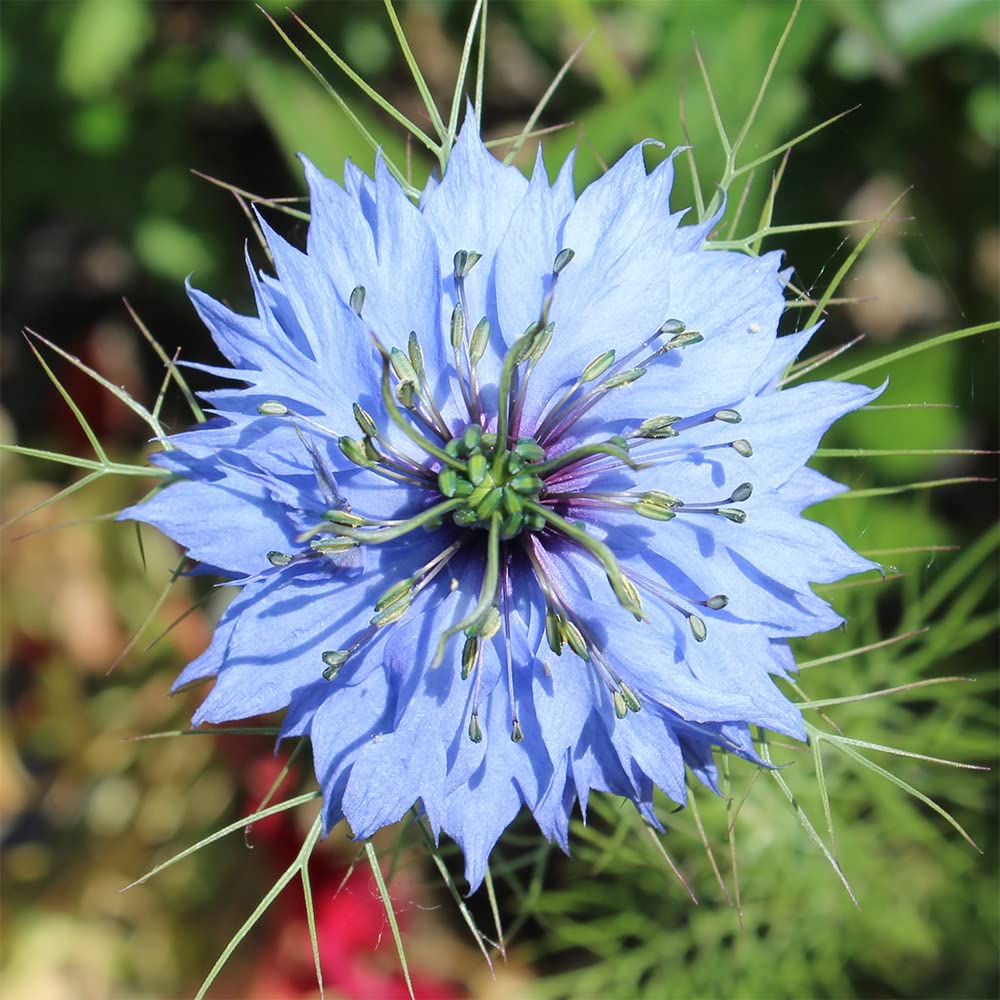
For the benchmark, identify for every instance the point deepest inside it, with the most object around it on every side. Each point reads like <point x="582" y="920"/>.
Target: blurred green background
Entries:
<point x="108" y="105"/>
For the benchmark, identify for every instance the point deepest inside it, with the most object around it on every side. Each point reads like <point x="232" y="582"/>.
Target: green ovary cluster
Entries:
<point x="494" y="482"/>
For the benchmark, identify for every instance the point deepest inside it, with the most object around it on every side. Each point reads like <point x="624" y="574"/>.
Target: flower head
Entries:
<point x="510" y="494"/>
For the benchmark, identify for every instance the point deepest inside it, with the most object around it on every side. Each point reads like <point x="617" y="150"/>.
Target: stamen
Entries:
<point x="597" y="549"/>
<point x="487" y="592"/>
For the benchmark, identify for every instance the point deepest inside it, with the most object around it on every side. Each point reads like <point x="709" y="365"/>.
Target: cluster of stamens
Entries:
<point x="495" y="481"/>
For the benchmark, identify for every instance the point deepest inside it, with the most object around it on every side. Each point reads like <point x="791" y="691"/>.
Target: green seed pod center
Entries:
<point x="495" y="481"/>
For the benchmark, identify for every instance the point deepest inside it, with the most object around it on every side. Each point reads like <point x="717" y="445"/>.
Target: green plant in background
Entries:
<point x="871" y="688"/>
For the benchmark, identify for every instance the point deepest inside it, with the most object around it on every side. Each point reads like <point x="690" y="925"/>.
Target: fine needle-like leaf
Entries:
<point x="478" y="15"/>
<point x="713" y="103"/>
<point x="470" y="920"/>
<point x="703" y="836"/>
<point x="846" y="747"/>
<point x="807" y="825"/>
<point x="491" y="895"/>
<point x="824" y="795"/>
<point x="699" y="200"/>
<point x="226" y="830"/>
<point x="307" y="896"/>
<point x="765" y="83"/>
<point x="894" y="452"/>
<point x="153" y="611"/>
<point x="904" y="352"/>
<point x="727" y="787"/>
<point x="418" y="76"/>
<point x="481" y="64"/>
<point x="658" y="844"/>
<point x="258" y="232"/>
<point x="543" y="101"/>
<point x="387" y="106"/>
<point x="882" y="693"/>
<point x="280" y="204"/>
<point x="390" y="913"/>
<point x="341" y="103"/>
<point x="275" y="785"/>
<point x="842" y="271"/>
<point x="207" y="731"/>
<point x="116" y="391"/>
<point x="301" y="860"/>
<point x="178" y="376"/>
<point x="925" y="484"/>
<point x="70" y="402"/>
<point x="801" y="368"/>
<point x="859" y="650"/>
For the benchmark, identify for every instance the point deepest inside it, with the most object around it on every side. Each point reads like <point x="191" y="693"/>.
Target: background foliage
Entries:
<point x="107" y="106"/>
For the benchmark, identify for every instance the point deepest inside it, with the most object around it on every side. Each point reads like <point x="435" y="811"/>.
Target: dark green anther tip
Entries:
<point x="475" y="732"/>
<point x="741" y="493"/>
<point x="334" y="660"/>
<point x="470" y="653"/>
<point x="562" y="259"/>
<point x="716" y="603"/>
<point x="631" y="699"/>
<point x="278" y="559"/>
<point x="465" y="261"/>
<point x="516" y="732"/>
<point x="733" y="514"/>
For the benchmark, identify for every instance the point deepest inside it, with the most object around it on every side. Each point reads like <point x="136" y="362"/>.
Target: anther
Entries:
<point x="516" y="732"/>
<point x="733" y="514"/>
<point x="658" y="427"/>
<point x="574" y="639"/>
<point x="475" y="732"/>
<point x="630" y="697"/>
<point x="618" y="700"/>
<point x="673" y="326"/>
<point x="354" y="452"/>
<point x="470" y="653"/>
<point x="393" y="612"/>
<point x="727" y="416"/>
<point x="623" y="378"/>
<point x="553" y="632"/>
<point x="344" y="517"/>
<point x="465" y="261"/>
<point x="279" y="559"/>
<point x="357" y="299"/>
<point x="698" y="629"/>
<point x="716" y="603"/>
<point x="741" y="493"/>
<point x="416" y="352"/>
<point x="598" y="366"/>
<point x="562" y="259"/>
<point x="334" y="660"/>
<point x="394" y="593"/>
<point x="742" y="447"/>
<point x="365" y="421"/>
<point x="457" y="327"/>
<point x="480" y="339"/>
<point x="272" y="408"/>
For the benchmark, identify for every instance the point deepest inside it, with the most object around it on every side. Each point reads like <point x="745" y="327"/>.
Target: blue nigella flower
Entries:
<point x="510" y="495"/>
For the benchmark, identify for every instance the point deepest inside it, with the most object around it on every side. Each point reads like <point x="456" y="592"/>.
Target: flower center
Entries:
<point x="495" y="481"/>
